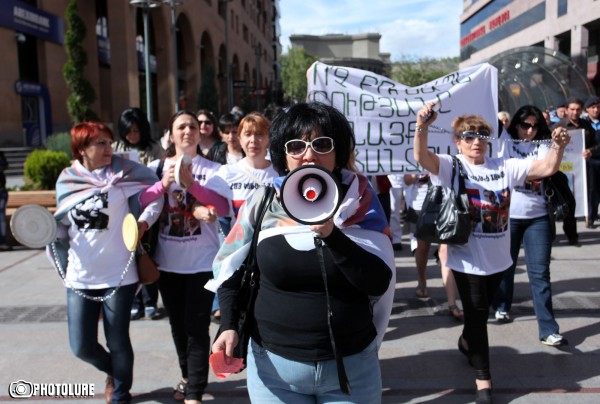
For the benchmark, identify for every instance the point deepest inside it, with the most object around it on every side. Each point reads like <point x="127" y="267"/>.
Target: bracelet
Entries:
<point x="420" y="128"/>
<point x="556" y="147"/>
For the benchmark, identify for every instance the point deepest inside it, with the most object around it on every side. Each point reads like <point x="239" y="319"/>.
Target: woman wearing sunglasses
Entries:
<point x="479" y="265"/>
<point x="530" y="225"/>
<point x="210" y="139"/>
<point x="290" y="357"/>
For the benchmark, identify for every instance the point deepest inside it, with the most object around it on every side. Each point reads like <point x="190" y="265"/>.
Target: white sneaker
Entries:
<point x="503" y="317"/>
<point x="553" y="340"/>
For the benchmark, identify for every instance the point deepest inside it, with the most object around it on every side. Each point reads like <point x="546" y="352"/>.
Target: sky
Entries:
<point x="408" y="28"/>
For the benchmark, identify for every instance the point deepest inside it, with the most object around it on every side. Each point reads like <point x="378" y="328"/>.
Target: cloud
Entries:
<point x="416" y="28"/>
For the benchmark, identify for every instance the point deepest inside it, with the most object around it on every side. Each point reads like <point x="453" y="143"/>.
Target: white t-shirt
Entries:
<point x="237" y="182"/>
<point x="489" y="187"/>
<point x="97" y="253"/>
<point x="527" y="201"/>
<point x="186" y="245"/>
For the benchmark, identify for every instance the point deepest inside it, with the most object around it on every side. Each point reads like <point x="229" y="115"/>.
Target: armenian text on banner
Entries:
<point x="383" y="112"/>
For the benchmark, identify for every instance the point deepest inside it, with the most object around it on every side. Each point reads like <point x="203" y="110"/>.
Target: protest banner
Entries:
<point x="383" y="112"/>
<point x="573" y="165"/>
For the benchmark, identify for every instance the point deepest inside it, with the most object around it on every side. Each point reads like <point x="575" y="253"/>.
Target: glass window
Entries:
<point x="563" y="5"/>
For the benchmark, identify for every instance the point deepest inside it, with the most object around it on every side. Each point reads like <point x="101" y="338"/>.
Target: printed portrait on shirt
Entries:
<point x="87" y="214"/>
<point x="489" y="210"/>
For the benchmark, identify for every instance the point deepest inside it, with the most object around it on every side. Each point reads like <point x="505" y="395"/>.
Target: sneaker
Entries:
<point x="151" y="312"/>
<point x="553" y="340"/>
<point x="503" y="317"/>
<point x="136" y="314"/>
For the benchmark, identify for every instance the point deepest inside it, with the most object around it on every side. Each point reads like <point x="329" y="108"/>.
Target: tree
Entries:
<point x="208" y="96"/>
<point x="82" y="93"/>
<point x="293" y="73"/>
<point x="413" y="73"/>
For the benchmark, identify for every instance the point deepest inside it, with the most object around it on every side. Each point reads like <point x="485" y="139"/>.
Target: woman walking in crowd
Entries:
<point x="477" y="271"/>
<point x="290" y="357"/>
<point x="529" y="225"/>
<point x="240" y="180"/>
<point x="134" y="134"/>
<point x="209" y="134"/>
<point x="93" y="197"/>
<point x="187" y="244"/>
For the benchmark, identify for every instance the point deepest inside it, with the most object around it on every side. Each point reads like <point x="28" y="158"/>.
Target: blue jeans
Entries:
<point x="83" y="315"/>
<point x="537" y="240"/>
<point x="273" y="379"/>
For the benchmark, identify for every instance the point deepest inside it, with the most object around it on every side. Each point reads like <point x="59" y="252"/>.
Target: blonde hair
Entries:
<point x="470" y="122"/>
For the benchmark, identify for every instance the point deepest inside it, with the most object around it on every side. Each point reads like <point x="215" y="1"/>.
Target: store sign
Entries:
<point x="27" y="19"/>
<point x="485" y="28"/>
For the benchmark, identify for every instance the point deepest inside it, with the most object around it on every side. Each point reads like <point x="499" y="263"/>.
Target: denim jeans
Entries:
<point x="274" y="379"/>
<point x="476" y="293"/>
<point x="83" y="315"/>
<point x="537" y="241"/>
<point x="188" y="305"/>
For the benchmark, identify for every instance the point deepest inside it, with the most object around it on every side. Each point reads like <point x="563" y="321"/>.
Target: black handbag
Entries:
<point x="445" y="218"/>
<point x="559" y="197"/>
<point x="247" y="276"/>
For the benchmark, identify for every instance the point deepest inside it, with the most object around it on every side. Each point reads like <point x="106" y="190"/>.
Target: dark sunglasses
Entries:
<point x="205" y="122"/>
<point x="527" y="126"/>
<point x="469" y="136"/>
<point x="297" y="147"/>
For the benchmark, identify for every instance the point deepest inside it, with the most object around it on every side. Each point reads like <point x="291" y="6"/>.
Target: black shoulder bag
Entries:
<point x="559" y="198"/>
<point x="247" y="276"/>
<point x="445" y="219"/>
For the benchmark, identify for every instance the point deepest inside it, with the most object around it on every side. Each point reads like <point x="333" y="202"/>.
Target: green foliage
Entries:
<point x="208" y="96"/>
<point x="42" y="167"/>
<point x="60" y="142"/>
<point x="293" y="74"/>
<point x="416" y="72"/>
<point x="82" y="93"/>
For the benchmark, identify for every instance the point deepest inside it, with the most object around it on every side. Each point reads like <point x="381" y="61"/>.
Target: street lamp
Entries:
<point x="173" y="4"/>
<point x="146" y="5"/>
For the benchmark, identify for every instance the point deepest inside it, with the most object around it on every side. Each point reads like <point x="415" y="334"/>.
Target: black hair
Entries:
<point x="300" y="121"/>
<point x="228" y="120"/>
<point x="575" y="100"/>
<point x="170" y="152"/>
<point x="215" y="133"/>
<point x="543" y="131"/>
<point x="135" y="116"/>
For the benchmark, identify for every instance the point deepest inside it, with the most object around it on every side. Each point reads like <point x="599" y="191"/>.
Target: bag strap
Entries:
<point x="262" y="209"/>
<point x="461" y="175"/>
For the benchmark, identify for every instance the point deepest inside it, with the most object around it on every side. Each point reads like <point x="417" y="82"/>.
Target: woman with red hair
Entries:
<point x="93" y="197"/>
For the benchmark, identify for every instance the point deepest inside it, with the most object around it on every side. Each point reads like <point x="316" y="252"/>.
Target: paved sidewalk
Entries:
<point x="419" y="358"/>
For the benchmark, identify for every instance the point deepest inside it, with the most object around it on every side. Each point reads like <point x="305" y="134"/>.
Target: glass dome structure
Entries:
<point x="537" y="76"/>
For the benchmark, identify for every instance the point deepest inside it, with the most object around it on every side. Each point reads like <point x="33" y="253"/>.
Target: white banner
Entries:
<point x="573" y="165"/>
<point x="383" y="112"/>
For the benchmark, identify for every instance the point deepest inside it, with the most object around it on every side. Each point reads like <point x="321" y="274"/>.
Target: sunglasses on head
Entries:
<point x="320" y="145"/>
<point x="469" y="136"/>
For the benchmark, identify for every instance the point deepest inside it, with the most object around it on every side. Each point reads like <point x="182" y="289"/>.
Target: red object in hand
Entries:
<point x="222" y="369"/>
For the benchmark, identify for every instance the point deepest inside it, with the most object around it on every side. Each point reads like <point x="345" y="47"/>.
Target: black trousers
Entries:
<point x="476" y="294"/>
<point x="189" y="304"/>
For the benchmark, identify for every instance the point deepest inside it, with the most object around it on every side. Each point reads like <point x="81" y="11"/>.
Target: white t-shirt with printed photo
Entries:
<point x="528" y="200"/>
<point x="237" y="182"/>
<point x="489" y="187"/>
<point x="185" y="244"/>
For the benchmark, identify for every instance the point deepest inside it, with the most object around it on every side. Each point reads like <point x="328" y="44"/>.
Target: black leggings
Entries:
<point x="188" y="305"/>
<point x="476" y="293"/>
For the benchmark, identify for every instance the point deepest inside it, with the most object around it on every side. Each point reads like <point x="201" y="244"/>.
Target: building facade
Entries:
<point x="234" y="43"/>
<point x="360" y="51"/>
<point x="571" y="27"/>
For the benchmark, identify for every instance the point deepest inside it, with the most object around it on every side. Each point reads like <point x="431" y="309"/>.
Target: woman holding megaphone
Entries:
<point x="297" y="344"/>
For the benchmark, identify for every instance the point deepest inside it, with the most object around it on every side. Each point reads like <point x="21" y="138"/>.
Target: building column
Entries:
<point x="579" y="47"/>
<point x="551" y="42"/>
